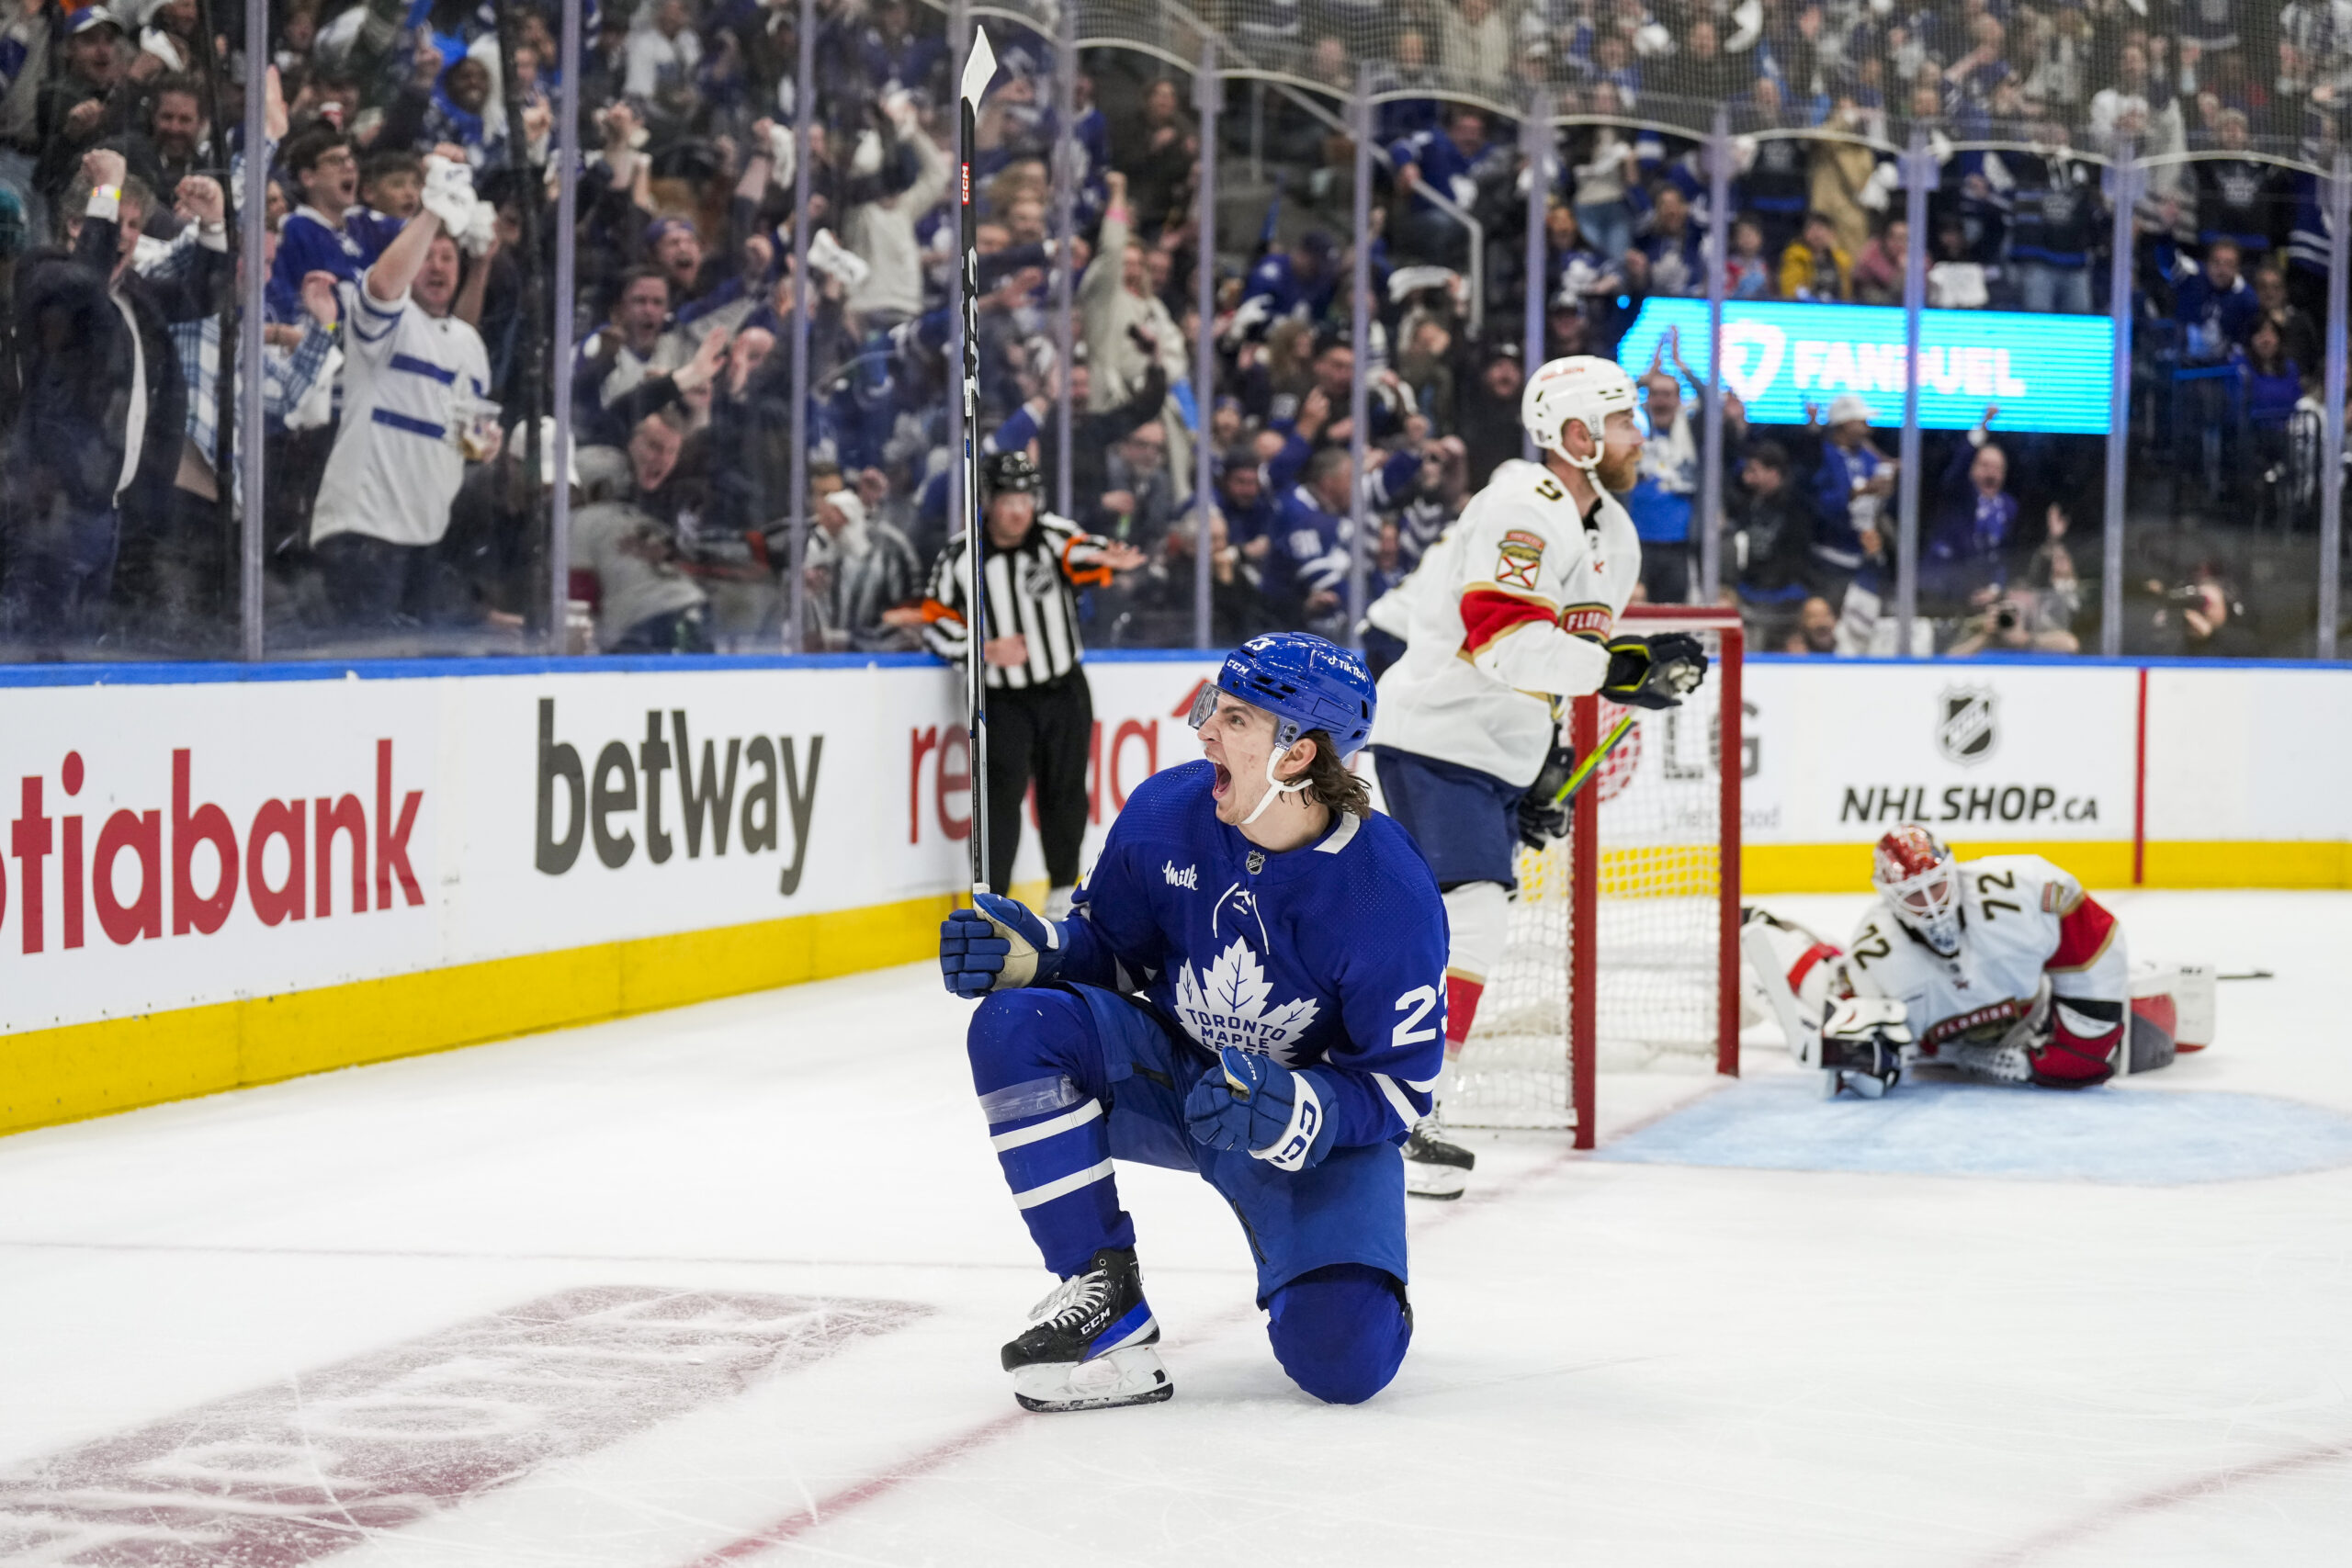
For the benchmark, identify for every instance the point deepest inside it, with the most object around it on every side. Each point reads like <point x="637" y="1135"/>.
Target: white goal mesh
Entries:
<point x="1659" y="827"/>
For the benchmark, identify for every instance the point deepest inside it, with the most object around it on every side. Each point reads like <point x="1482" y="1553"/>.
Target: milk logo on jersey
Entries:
<point x="1188" y="879"/>
<point x="1966" y="724"/>
<point x="1228" y="1005"/>
<point x="1522" y="554"/>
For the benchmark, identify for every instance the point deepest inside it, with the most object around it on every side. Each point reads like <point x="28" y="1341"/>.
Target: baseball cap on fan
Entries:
<point x="1850" y="405"/>
<point x="96" y="16"/>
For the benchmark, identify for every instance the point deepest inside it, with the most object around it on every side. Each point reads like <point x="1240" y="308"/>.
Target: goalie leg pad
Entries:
<point x="1340" y="1332"/>
<point x="2085" y="1032"/>
<point x="2152" y="1045"/>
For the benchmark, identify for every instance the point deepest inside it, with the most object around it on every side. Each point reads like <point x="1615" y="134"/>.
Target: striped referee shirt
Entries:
<point x="1032" y="589"/>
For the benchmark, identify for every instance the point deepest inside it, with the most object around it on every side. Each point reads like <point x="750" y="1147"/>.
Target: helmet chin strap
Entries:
<point x="1274" y="786"/>
<point x="1587" y="464"/>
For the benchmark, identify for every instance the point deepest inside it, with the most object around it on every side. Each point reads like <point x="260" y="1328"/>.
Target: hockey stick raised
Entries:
<point x="979" y="69"/>
<point x="1585" y="770"/>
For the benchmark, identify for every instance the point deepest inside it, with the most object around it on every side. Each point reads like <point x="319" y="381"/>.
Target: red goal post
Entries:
<point x="1623" y="950"/>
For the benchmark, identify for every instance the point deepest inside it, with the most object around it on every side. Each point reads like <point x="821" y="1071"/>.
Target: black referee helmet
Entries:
<point x="1011" y="473"/>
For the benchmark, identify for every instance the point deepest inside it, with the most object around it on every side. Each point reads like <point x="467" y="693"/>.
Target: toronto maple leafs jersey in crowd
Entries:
<point x="1329" y="958"/>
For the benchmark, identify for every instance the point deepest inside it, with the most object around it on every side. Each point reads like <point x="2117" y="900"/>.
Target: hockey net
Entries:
<point x="1624" y="947"/>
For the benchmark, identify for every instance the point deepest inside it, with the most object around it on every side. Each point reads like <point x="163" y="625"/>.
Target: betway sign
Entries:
<point x="2051" y="373"/>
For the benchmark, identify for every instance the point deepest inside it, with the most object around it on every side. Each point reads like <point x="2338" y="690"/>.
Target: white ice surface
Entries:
<point x="1614" y="1363"/>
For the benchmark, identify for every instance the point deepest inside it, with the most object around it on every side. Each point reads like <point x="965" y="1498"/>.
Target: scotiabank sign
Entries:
<point x="123" y="872"/>
<point x="173" y="845"/>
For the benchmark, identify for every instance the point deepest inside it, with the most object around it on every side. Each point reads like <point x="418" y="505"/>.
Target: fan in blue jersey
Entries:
<point x="1250" y="985"/>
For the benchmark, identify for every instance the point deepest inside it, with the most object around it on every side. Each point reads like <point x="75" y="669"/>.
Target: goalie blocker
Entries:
<point x="2002" y="968"/>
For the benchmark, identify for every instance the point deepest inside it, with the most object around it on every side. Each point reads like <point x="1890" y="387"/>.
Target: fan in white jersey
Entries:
<point x="1512" y="609"/>
<point x="2001" y="967"/>
<point x="414" y="414"/>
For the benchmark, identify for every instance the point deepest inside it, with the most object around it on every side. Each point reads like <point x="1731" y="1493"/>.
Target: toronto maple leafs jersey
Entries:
<point x="1509" y="609"/>
<point x="2024" y="924"/>
<point x="1329" y="958"/>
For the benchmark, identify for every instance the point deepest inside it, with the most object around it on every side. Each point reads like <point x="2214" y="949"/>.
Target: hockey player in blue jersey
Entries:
<point x="1251" y="986"/>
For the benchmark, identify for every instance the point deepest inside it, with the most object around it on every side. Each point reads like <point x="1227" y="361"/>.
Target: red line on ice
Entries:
<point x="2156" y="1499"/>
<point x="941" y="1454"/>
<point x="865" y="1491"/>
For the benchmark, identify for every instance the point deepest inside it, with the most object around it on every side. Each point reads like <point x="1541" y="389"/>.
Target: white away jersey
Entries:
<point x="1509" y="609"/>
<point x="2023" y="919"/>
<point x="408" y="380"/>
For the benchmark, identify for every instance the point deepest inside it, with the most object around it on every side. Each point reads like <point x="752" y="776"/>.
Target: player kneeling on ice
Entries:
<point x="1250" y="985"/>
<point x="1513" y="610"/>
<point x="2001" y="968"/>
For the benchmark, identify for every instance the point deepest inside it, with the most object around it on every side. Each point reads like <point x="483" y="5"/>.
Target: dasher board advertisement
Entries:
<point x="1840" y="752"/>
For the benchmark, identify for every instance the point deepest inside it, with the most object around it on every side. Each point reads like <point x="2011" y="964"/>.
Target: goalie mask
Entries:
<point x="1584" y="387"/>
<point x="1919" y="879"/>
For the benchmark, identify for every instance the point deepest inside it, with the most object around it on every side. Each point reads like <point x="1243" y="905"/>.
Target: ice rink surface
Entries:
<point x="726" y="1285"/>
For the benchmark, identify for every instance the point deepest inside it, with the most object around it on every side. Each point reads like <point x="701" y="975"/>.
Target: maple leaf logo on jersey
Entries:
<point x="1228" y="1007"/>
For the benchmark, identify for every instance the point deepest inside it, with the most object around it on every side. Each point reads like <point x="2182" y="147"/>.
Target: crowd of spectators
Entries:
<point x="412" y="233"/>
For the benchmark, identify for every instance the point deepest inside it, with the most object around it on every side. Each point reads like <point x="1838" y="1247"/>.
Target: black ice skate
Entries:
<point x="1089" y="1344"/>
<point x="1434" y="1168"/>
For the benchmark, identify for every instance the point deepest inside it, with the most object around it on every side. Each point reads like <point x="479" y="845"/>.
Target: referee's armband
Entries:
<point x="1081" y="561"/>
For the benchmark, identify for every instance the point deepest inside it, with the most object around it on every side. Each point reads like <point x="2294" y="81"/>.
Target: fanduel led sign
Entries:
<point x="2051" y="373"/>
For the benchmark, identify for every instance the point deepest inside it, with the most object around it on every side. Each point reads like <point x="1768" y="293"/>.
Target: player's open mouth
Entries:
<point x="1223" y="780"/>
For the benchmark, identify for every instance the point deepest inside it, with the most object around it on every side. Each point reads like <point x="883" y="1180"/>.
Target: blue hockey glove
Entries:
<point x="1255" y="1103"/>
<point x="997" y="947"/>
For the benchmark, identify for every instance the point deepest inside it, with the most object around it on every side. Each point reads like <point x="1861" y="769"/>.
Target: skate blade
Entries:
<point x="1441" y="1181"/>
<point x="1132" y="1376"/>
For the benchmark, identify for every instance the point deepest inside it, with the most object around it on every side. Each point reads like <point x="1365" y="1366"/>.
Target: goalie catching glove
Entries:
<point x="1254" y="1103"/>
<point x="998" y="945"/>
<point x="1653" y="671"/>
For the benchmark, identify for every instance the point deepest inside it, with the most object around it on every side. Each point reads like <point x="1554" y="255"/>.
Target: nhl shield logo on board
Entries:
<point x="1966" y="728"/>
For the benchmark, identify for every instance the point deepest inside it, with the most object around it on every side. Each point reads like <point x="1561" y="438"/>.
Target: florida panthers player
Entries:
<point x="1512" y="609"/>
<point x="1251" y="984"/>
<point x="2002" y="967"/>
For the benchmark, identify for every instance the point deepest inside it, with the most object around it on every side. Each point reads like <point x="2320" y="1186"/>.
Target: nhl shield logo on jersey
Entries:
<point x="1966" y="731"/>
<point x="1228" y="1005"/>
<point x="1522" y="554"/>
<point x="1038" y="577"/>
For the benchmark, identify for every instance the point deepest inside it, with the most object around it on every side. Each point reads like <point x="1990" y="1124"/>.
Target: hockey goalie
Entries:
<point x="2001" y="968"/>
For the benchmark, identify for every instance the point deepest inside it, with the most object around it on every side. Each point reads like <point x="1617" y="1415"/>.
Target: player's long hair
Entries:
<point x="1329" y="782"/>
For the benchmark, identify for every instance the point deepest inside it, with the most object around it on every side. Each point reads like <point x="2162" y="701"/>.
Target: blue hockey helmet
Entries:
<point x="1306" y="682"/>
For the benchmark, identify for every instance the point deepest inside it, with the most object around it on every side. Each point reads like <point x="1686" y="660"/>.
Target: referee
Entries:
<point x="1040" y="714"/>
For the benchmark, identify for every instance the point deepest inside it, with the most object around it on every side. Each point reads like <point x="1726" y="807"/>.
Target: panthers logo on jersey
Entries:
<point x="1521" y="557"/>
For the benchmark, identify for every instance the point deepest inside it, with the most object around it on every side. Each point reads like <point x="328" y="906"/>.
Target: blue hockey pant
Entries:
<point x="1071" y="1077"/>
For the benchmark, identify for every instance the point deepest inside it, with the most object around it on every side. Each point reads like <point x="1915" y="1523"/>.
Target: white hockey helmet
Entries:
<point x="1583" y="386"/>
<point x="1918" y="876"/>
